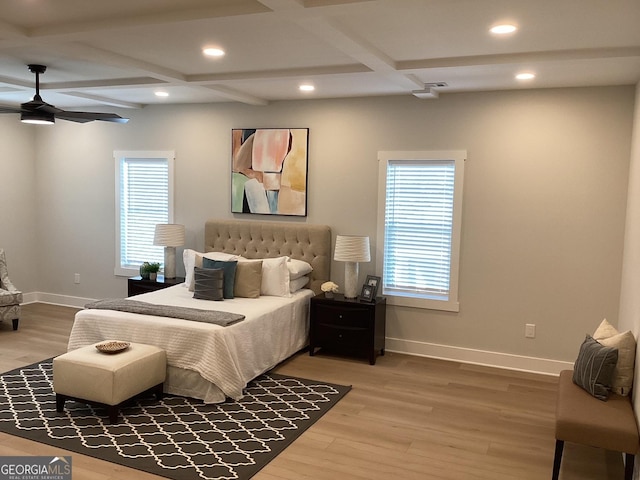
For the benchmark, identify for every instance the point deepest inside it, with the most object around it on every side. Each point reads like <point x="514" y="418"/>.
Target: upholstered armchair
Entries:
<point x="10" y="297"/>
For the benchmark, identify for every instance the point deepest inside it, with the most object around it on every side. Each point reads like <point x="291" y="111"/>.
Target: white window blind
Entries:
<point x="143" y="199"/>
<point x="420" y="227"/>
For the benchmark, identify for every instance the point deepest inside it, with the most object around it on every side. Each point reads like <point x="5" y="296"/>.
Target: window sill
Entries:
<point x="126" y="272"/>
<point x="424" y="303"/>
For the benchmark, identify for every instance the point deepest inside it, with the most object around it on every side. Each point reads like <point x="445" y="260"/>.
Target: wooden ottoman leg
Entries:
<point x="628" y="466"/>
<point x="158" y="390"/>
<point x="15" y="323"/>
<point x="557" y="459"/>
<point x="113" y="413"/>
<point x="60" y="399"/>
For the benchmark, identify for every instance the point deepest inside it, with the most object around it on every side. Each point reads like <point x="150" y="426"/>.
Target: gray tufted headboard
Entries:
<point x="311" y="243"/>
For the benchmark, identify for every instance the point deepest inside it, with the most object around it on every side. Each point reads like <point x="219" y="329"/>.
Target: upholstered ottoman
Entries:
<point x="108" y="379"/>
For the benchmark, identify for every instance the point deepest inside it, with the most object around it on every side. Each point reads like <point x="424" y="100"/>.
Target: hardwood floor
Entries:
<point x="405" y="418"/>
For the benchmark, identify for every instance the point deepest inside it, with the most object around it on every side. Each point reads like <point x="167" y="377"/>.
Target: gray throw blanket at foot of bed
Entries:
<point x="223" y="319"/>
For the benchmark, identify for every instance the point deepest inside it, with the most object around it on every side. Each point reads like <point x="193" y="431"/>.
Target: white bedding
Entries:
<point x="207" y="361"/>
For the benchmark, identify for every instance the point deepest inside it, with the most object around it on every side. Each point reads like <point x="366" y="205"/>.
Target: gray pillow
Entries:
<point x="593" y="370"/>
<point x="208" y="283"/>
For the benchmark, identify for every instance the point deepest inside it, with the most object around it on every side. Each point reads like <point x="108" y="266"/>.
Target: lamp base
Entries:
<point x="351" y="279"/>
<point x="169" y="262"/>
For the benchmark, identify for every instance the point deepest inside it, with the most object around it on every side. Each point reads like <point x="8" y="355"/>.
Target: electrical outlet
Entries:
<point x="76" y="278"/>
<point x="530" y="330"/>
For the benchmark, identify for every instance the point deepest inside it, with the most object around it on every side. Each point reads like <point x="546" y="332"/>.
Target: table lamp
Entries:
<point x="351" y="249"/>
<point x="169" y="236"/>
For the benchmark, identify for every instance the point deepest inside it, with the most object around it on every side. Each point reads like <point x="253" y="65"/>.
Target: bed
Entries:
<point x="212" y="362"/>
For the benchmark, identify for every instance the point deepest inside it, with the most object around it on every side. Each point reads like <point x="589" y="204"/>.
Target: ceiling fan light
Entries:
<point x="213" y="52"/>
<point x="503" y="29"/>
<point x="525" y="76"/>
<point x="37" y="118"/>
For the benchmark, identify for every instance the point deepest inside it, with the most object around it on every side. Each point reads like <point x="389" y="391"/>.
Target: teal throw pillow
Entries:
<point x="229" y="273"/>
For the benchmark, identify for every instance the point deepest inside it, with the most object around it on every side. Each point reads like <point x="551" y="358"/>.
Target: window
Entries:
<point x="144" y="197"/>
<point x="419" y="217"/>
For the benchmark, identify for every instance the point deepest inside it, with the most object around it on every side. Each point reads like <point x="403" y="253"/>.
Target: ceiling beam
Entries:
<point x="102" y="84"/>
<point x="524" y="57"/>
<point x="11" y="31"/>
<point x="331" y="31"/>
<point x="153" y="17"/>
<point x="105" y="100"/>
<point x="79" y="50"/>
<point x="279" y="73"/>
<point x="237" y="96"/>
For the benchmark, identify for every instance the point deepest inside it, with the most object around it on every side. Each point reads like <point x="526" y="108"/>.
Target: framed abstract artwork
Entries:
<point x="269" y="171"/>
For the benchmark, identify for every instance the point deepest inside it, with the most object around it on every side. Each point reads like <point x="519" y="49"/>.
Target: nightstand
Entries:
<point x="136" y="285"/>
<point x="348" y="326"/>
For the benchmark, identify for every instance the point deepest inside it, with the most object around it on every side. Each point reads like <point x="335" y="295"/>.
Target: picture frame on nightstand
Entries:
<point x="368" y="293"/>
<point x="373" y="281"/>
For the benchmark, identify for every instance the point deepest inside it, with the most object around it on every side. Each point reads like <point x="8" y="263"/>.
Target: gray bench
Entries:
<point x="583" y="419"/>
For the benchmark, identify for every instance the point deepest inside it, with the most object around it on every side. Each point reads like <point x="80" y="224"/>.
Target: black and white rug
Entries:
<point x="178" y="438"/>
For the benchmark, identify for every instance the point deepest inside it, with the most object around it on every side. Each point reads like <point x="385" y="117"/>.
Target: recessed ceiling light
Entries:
<point x="307" y="87"/>
<point x="525" y="76"/>
<point x="213" y="52"/>
<point x="162" y="94"/>
<point x="503" y="29"/>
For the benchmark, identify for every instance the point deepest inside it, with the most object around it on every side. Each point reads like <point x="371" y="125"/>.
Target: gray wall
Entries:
<point x="18" y="196"/>
<point x="543" y="217"/>
<point x="629" y="298"/>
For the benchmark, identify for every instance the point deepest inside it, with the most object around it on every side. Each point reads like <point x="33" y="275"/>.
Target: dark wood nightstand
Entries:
<point x="136" y="285"/>
<point x="348" y="326"/>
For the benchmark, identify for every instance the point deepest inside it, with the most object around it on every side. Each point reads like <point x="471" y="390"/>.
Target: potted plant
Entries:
<point x="149" y="270"/>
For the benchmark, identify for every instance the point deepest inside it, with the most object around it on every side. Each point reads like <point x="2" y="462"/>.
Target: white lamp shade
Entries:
<point x="169" y="235"/>
<point x="352" y="248"/>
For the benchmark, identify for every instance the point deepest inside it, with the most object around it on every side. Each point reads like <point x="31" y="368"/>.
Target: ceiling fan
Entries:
<point x="40" y="112"/>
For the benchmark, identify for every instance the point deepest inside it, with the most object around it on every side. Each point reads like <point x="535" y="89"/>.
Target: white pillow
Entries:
<point x="605" y="330"/>
<point x="625" y="342"/>
<point x="192" y="259"/>
<point x="275" y="277"/>
<point x="297" y="284"/>
<point x="189" y="260"/>
<point x="298" y="268"/>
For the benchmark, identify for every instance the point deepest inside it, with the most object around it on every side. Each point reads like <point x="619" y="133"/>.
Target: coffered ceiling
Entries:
<point x="121" y="52"/>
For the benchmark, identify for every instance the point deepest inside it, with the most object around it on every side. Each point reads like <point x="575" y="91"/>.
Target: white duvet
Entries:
<point x="207" y="361"/>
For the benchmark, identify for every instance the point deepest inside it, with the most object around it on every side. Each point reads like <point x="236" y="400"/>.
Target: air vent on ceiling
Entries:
<point x="429" y="90"/>
<point x="426" y="93"/>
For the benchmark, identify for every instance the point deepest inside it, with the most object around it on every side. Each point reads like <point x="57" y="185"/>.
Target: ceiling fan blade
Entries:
<point x="9" y="109"/>
<point x="83" y="117"/>
<point x="39" y="110"/>
<point x="37" y="104"/>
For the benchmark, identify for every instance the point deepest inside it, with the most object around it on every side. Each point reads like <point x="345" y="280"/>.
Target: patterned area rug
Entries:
<point x="178" y="438"/>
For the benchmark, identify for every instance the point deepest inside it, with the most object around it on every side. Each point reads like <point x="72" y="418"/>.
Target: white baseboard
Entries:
<point x="477" y="357"/>
<point x="397" y="345"/>
<point x="54" y="299"/>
